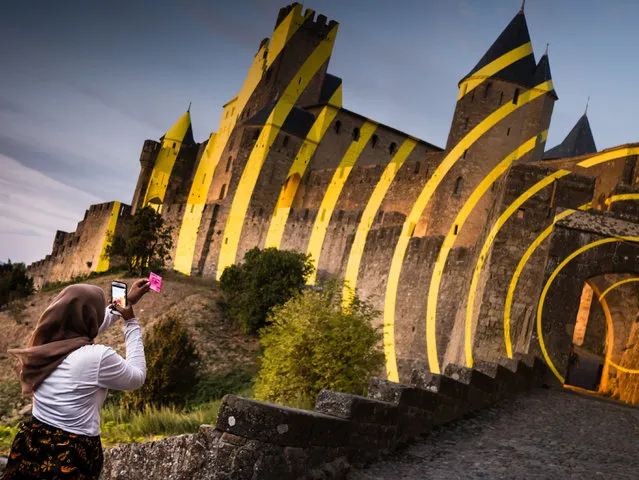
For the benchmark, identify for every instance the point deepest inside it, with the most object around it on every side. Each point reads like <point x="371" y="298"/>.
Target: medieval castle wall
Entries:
<point x="419" y="230"/>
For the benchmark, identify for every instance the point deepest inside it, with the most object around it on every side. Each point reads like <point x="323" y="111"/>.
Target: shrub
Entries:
<point x="314" y="344"/>
<point x="171" y="367"/>
<point x="213" y="386"/>
<point x="14" y="282"/>
<point x="266" y="279"/>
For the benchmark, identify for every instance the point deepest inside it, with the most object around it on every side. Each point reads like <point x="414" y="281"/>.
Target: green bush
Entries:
<point x="213" y="386"/>
<point x="7" y="433"/>
<point x="266" y="279"/>
<point x="11" y="399"/>
<point x="14" y="282"/>
<point x="313" y="344"/>
<point x="172" y="363"/>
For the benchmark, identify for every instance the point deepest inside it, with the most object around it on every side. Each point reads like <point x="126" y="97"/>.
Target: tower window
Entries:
<point x="501" y="97"/>
<point x="465" y="152"/>
<point x="338" y="126"/>
<point x="416" y="168"/>
<point x="222" y="192"/>
<point x="516" y="96"/>
<point x="465" y="123"/>
<point x="508" y="132"/>
<point x="487" y="89"/>
<point x="459" y="184"/>
<point x="256" y="134"/>
<point x="355" y="134"/>
<point x="285" y="141"/>
<point x="472" y="96"/>
<point x="521" y="213"/>
<point x="173" y="144"/>
<point x="374" y="141"/>
<point x="228" y="164"/>
<point x="392" y="148"/>
<point x="456" y="229"/>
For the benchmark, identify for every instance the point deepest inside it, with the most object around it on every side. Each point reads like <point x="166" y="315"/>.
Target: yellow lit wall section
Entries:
<point x="165" y="161"/>
<point x="458" y="223"/>
<point x="260" y="151"/>
<point x="417" y="211"/>
<point x="298" y="168"/>
<point x="332" y="195"/>
<point x="484" y="73"/>
<point x="368" y="216"/>
<point x="285" y="30"/>
<point x="103" y="261"/>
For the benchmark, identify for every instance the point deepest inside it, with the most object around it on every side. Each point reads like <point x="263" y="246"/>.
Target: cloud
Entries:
<point x="32" y="207"/>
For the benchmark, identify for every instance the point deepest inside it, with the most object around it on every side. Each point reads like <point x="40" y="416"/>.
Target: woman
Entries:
<point x="68" y="377"/>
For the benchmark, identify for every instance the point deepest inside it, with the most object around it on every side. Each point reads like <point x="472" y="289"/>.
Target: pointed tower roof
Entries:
<point x="181" y="131"/>
<point x="542" y="73"/>
<point x="515" y="36"/>
<point x="578" y="142"/>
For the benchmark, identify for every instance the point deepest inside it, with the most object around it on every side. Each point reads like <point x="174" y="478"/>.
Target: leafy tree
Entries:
<point x="147" y="243"/>
<point x="172" y="363"/>
<point x="314" y="343"/>
<point x="15" y="283"/>
<point x="267" y="278"/>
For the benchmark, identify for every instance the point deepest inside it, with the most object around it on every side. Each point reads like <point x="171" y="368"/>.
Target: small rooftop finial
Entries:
<point x="587" y="102"/>
<point x="547" y="45"/>
<point x="523" y="4"/>
<point x="189" y="109"/>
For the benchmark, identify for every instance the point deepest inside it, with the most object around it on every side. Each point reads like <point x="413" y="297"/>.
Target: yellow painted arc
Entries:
<point x="185" y="249"/>
<point x="301" y="162"/>
<point x="610" y="338"/>
<point x="493" y="67"/>
<point x="368" y="216"/>
<point x="609" y="156"/>
<point x="332" y="193"/>
<point x="544" y="292"/>
<point x="483" y="253"/>
<point x="457" y="225"/>
<point x="244" y="191"/>
<point x="531" y="250"/>
<point x="285" y="30"/>
<point x="161" y="174"/>
<point x="103" y="261"/>
<point x="416" y="213"/>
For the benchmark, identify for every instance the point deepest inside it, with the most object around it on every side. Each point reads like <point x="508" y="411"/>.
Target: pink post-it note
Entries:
<point x="155" y="282"/>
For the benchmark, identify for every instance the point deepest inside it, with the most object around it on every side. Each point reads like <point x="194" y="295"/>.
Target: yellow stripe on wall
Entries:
<point x="284" y="31"/>
<point x="458" y="223"/>
<point x="298" y="168"/>
<point x="260" y="151"/>
<point x="368" y="216"/>
<point x="484" y="73"/>
<point x="103" y="261"/>
<point x="417" y="211"/>
<point x="332" y="194"/>
<point x="159" y="180"/>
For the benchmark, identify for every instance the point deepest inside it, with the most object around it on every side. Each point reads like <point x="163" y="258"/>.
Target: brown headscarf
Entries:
<point x="70" y="322"/>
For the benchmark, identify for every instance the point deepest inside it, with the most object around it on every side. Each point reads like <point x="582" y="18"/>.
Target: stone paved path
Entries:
<point x="545" y="434"/>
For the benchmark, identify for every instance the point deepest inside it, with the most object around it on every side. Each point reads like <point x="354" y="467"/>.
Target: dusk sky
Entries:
<point x="84" y="83"/>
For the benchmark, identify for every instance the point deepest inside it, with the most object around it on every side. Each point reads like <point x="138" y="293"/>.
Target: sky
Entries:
<point x="84" y="83"/>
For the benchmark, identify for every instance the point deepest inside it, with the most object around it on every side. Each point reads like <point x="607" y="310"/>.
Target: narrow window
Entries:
<point x="261" y="212"/>
<point x="516" y="96"/>
<point x="459" y="184"/>
<point x="306" y="214"/>
<point x="203" y="178"/>
<point x="520" y="213"/>
<point x="228" y="164"/>
<point x="487" y="89"/>
<point x="374" y="141"/>
<point x="256" y="134"/>
<point x="472" y="96"/>
<point x="285" y="141"/>
<point x="338" y="126"/>
<point x="173" y="144"/>
<point x="456" y="229"/>
<point x="392" y="148"/>
<point x="508" y="132"/>
<point x="268" y="74"/>
<point x="192" y="207"/>
<point x="501" y="97"/>
<point x="466" y="123"/>
<point x="356" y="134"/>
<point x="416" y="168"/>
<point x="222" y="192"/>
<point x="465" y="152"/>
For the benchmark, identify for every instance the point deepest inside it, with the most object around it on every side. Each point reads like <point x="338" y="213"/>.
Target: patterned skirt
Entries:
<point x="45" y="452"/>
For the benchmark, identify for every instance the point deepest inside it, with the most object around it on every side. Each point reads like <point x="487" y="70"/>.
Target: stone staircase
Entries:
<point x="255" y="440"/>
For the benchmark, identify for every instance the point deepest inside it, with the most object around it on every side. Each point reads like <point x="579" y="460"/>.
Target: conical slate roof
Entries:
<point x="514" y="35"/>
<point x="542" y="74"/>
<point x="181" y="131"/>
<point x="578" y="142"/>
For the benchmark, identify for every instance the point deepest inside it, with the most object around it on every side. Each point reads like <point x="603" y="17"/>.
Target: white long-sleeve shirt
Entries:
<point x="71" y="397"/>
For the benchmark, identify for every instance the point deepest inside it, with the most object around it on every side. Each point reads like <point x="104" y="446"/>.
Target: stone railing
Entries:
<point x="255" y="440"/>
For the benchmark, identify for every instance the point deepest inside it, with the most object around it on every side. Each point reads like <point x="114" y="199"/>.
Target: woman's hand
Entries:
<point x="126" y="312"/>
<point x="138" y="289"/>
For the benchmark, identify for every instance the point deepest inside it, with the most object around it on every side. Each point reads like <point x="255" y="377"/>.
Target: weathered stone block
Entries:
<point x="506" y="380"/>
<point x="356" y="408"/>
<point x="520" y="369"/>
<point x="437" y="383"/>
<point x="538" y="366"/>
<point x="470" y="376"/>
<point x="277" y="424"/>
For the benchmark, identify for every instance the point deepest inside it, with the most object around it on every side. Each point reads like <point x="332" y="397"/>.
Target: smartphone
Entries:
<point x="119" y="292"/>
